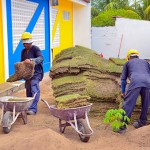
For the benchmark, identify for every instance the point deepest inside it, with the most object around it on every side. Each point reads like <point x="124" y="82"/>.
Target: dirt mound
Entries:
<point x="140" y="136"/>
<point x="43" y="140"/>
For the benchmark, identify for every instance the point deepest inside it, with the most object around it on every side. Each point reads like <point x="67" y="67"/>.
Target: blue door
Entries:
<point x="30" y="16"/>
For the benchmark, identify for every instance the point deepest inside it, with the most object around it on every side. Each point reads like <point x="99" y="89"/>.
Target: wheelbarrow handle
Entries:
<point x="46" y="103"/>
<point x="35" y="94"/>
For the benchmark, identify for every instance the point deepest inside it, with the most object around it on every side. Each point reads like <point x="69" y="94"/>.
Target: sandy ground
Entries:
<point x="42" y="132"/>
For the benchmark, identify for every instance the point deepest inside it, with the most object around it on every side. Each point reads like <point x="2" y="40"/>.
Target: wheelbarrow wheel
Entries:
<point x="6" y="121"/>
<point x="83" y="127"/>
<point x="6" y="129"/>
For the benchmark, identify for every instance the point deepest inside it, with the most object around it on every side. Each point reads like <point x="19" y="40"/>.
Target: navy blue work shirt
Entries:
<point x="35" y="54"/>
<point x="138" y="72"/>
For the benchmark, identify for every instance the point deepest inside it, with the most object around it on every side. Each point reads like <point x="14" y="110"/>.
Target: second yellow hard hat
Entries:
<point x="130" y="52"/>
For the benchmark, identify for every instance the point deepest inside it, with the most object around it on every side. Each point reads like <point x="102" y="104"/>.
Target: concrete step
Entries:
<point x="8" y="88"/>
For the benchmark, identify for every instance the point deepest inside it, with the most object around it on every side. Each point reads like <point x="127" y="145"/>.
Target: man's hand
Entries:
<point x="27" y="61"/>
<point x="122" y="95"/>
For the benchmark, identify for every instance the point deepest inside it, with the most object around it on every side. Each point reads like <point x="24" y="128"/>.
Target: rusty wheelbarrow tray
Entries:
<point x="77" y="118"/>
<point x="12" y="107"/>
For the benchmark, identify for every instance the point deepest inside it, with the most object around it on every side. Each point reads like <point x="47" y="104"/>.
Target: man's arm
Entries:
<point x="123" y="87"/>
<point x="123" y="80"/>
<point x="37" y="60"/>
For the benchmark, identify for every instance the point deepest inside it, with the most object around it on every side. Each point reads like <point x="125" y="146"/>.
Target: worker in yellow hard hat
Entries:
<point x="26" y="35"/>
<point x="132" y="52"/>
<point x="32" y="53"/>
<point x="138" y="72"/>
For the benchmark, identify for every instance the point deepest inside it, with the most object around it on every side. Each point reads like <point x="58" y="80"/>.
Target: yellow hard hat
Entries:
<point x="26" y="35"/>
<point x="130" y="52"/>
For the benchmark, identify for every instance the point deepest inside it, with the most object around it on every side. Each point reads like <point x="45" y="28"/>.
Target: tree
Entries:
<point x="146" y="9"/>
<point x="109" y="4"/>
<point x="147" y="13"/>
<point x="99" y="4"/>
<point x="117" y="4"/>
<point x="141" y="7"/>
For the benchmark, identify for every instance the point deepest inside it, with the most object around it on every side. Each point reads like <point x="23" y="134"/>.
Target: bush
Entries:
<point x="105" y="18"/>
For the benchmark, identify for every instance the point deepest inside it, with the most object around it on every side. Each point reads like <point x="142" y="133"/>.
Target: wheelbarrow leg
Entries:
<point x="62" y="126"/>
<point x="24" y="116"/>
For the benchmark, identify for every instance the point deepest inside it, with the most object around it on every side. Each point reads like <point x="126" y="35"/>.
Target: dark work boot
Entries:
<point x="137" y="124"/>
<point x="121" y="130"/>
<point x="29" y="112"/>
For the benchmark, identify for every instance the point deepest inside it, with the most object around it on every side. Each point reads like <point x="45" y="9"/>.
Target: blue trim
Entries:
<point x="47" y="38"/>
<point x="9" y="32"/>
<point x="16" y="56"/>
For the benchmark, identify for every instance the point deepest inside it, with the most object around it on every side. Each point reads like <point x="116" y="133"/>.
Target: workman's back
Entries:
<point x="138" y="72"/>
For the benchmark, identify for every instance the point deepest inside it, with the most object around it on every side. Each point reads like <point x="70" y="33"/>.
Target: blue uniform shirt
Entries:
<point x="35" y="54"/>
<point x="138" y="72"/>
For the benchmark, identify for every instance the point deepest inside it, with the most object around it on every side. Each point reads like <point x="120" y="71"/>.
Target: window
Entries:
<point x="66" y="15"/>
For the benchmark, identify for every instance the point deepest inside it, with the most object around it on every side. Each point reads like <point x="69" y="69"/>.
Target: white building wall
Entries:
<point x="82" y="24"/>
<point x="134" y="34"/>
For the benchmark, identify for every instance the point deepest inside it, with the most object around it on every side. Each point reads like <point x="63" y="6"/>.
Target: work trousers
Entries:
<point x="32" y="87"/>
<point x="130" y="102"/>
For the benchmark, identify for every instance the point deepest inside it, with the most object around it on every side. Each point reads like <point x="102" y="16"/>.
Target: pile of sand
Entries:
<point x="140" y="136"/>
<point x="45" y="139"/>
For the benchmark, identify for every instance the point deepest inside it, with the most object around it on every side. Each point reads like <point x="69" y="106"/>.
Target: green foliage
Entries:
<point x="94" y="12"/>
<point x="111" y="5"/>
<point x="99" y="4"/>
<point x="137" y="6"/>
<point x="147" y="13"/>
<point x="139" y="10"/>
<point x="143" y="3"/>
<point x="116" y="118"/>
<point x="105" y="18"/>
<point x="119" y="4"/>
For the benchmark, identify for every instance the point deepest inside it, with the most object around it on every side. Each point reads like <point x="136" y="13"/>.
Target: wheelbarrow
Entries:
<point x="77" y="118"/>
<point x="12" y="108"/>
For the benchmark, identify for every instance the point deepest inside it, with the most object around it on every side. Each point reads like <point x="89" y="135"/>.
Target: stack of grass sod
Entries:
<point x="79" y="70"/>
<point x="71" y="101"/>
<point x="78" y="59"/>
<point x="68" y="85"/>
<point x="103" y="93"/>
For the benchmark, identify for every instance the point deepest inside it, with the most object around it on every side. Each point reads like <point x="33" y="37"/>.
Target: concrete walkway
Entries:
<point x="8" y="88"/>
